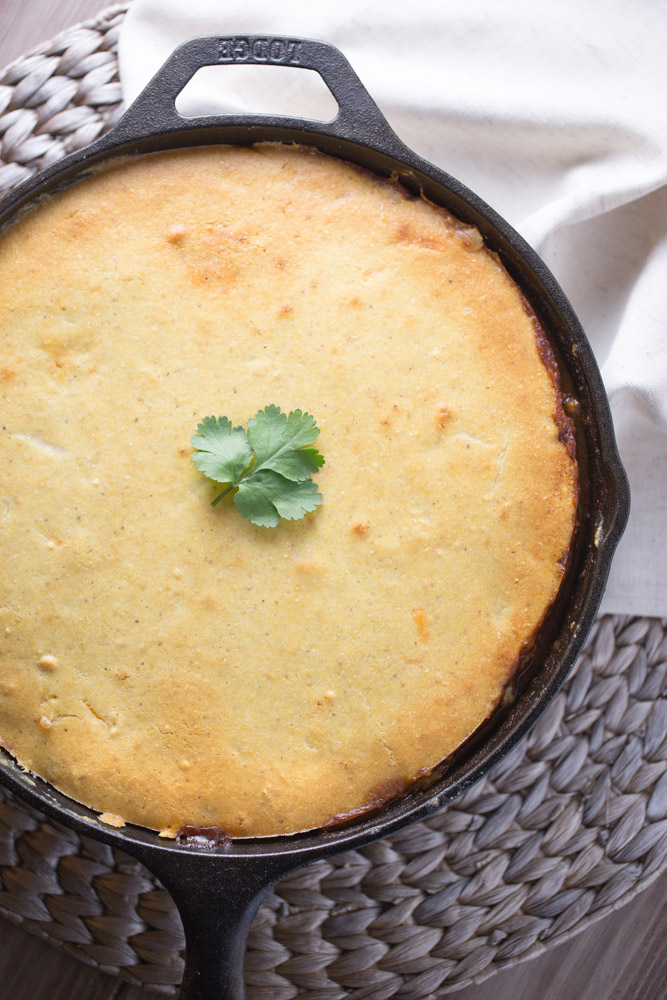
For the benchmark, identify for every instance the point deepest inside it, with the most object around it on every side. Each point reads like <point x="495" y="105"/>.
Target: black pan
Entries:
<point x="218" y="888"/>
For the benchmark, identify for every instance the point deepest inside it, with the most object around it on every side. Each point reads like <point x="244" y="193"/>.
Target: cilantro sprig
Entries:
<point x="269" y="464"/>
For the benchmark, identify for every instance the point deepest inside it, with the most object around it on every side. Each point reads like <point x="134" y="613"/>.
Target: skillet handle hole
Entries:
<point x="253" y="89"/>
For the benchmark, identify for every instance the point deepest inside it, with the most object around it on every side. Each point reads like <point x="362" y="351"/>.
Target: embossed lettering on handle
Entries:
<point x="358" y="118"/>
<point x="277" y="51"/>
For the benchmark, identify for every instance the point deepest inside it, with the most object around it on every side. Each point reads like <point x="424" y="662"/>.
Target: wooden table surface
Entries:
<point x="622" y="957"/>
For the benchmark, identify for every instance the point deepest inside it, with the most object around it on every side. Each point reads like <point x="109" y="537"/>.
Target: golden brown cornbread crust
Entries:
<point x="168" y="662"/>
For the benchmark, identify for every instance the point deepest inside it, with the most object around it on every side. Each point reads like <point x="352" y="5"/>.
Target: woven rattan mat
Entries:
<point x="566" y="829"/>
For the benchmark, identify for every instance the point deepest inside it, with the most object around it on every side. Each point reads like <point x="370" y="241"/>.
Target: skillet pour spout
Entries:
<point x="219" y="890"/>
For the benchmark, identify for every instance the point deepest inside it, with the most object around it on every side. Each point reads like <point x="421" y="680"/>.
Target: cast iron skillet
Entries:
<point x="218" y="889"/>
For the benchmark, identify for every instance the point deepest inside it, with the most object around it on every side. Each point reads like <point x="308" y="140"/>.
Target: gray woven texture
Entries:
<point x="59" y="97"/>
<point x="569" y="827"/>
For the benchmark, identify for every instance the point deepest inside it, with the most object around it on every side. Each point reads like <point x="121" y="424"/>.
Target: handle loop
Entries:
<point x="358" y="118"/>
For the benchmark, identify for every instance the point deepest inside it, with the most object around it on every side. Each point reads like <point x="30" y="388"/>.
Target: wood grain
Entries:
<point x="619" y="958"/>
<point x="23" y="25"/>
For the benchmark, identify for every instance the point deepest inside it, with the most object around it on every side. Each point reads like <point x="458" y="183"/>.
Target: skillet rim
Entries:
<point x="142" y="131"/>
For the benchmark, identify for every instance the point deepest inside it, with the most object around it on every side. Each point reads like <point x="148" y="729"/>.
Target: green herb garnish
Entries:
<point x="268" y="464"/>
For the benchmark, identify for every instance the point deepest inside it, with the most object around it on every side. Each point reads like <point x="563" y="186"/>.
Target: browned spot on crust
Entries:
<point x="286" y="310"/>
<point x="217" y="254"/>
<point x="442" y="415"/>
<point x="360" y="528"/>
<point x="308" y="567"/>
<point x="175" y="235"/>
<point x="6" y="374"/>
<point x="420" y="619"/>
<point x="405" y="233"/>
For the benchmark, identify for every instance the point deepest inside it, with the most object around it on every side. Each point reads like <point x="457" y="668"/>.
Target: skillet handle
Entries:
<point x="217" y="898"/>
<point x="358" y="118"/>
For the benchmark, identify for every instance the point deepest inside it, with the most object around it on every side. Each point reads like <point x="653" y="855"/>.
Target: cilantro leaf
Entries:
<point x="267" y="496"/>
<point x="269" y="465"/>
<point x="223" y="452"/>
<point x="278" y="442"/>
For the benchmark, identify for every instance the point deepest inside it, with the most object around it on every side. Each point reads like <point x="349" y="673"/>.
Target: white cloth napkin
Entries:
<point x="555" y="115"/>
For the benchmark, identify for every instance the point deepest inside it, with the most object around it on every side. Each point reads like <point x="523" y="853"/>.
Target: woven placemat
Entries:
<point x="569" y="827"/>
